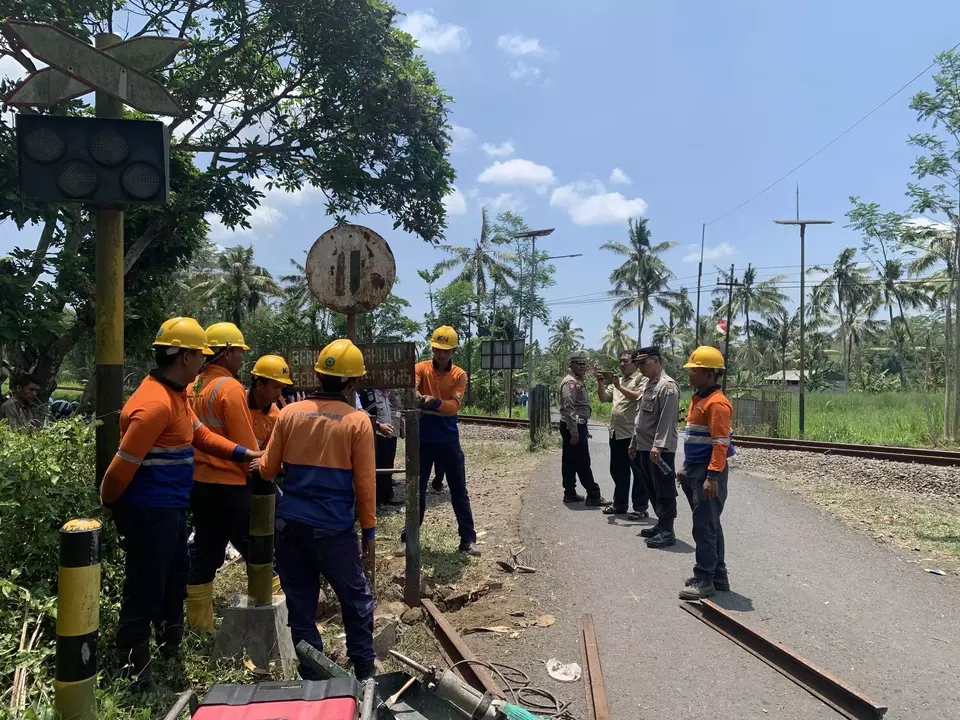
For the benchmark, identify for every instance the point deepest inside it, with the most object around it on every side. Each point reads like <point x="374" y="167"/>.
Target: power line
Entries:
<point x="838" y="137"/>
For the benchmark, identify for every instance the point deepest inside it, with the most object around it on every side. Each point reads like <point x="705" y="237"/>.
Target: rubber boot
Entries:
<point x="136" y="668"/>
<point x="200" y="607"/>
<point x="169" y="639"/>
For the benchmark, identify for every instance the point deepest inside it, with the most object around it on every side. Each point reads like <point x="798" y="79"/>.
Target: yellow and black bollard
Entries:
<point x="263" y="507"/>
<point x="78" y="619"/>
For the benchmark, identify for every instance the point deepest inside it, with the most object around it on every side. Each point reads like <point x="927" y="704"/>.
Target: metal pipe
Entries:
<point x="423" y="670"/>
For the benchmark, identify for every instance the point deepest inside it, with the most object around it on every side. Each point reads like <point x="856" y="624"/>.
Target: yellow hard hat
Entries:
<point x="182" y="332"/>
<point x="224" y="335"/>
<point x="444" y="338"/>
<point x="272" y="367"/>
<point x="341" y="358"/>
<point x="706" y="357"/>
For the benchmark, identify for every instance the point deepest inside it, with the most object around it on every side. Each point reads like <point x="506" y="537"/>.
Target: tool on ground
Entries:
<point x="341" y="698"/>
<point x="473" y="704"/>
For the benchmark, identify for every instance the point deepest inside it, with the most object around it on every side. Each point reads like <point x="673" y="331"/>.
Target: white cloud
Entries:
<point x="504" y="201"/>
<point x="262" y="220"/>
<point x="502" y="150"/>
<point x="519" y="45"/>
<point x="709" y="253"/>
<point x="518" y="172"/>
<point x="472" y="192"/>
<point x="522" y="71"/>
<point x="590" y="204"/>
<point x="455" y="203"/>
<point x="462" y="137"/>
<point x="10" y="69"/>
<point x="619" y="177"/>
<point x="434" y="36"/>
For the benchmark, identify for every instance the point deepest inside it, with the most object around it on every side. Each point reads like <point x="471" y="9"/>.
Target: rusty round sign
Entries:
<point x="350" y="268"/>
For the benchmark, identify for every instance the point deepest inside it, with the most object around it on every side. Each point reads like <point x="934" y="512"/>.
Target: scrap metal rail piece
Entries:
<point x="597" y="706"/>
<point x="457" y="651"/>
<point x="846" y="700"/>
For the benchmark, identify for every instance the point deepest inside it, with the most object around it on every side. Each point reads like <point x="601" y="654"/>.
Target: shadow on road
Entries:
<point x="733" y="601"/>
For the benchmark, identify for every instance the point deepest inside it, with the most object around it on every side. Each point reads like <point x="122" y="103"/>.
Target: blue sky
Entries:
<point x="580" y="115"/>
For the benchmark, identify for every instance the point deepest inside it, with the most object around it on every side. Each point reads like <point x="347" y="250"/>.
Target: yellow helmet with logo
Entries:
<point x="706" y="357"/>
<point x="272" y="367"/>
<point x="341" y="358"/>
<point x="445" y="338"/>
<point x="224" y="335"/>
<point x="182" y="332"/>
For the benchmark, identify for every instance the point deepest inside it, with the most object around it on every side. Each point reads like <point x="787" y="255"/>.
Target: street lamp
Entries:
<point x="533" y="235"/>
<point x="803" y="228"/>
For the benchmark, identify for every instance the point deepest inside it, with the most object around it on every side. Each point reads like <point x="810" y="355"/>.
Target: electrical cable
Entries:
<point x="520" y="688"/>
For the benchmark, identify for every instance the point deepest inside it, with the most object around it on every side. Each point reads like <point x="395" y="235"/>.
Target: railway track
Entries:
<point x="922" y="456"/>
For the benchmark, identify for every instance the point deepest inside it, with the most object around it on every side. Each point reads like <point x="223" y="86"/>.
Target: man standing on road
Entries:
<point x="654" y="445"/>
<point x="574" y="415"/>
<point x="22" y="411"/>
<point x="440" y="387"/>
<point x="624" y="395"/>
<point x="704" y="474"/>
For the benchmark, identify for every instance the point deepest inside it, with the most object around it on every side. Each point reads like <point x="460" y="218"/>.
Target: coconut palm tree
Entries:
<point x="298" y="293"/>
<point x="236" y="284"/>
<point x="617" y="339"/>
<point x="751" y="295"/>
<point x="642" y="276"/>
<point x="564" y="338"/>
<point x="778" y="329"/>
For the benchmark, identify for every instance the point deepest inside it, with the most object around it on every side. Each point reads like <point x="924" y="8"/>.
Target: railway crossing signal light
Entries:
<point x="99" y="161"/>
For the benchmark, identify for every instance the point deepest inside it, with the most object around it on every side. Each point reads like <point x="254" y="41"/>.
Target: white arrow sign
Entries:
<point x="49" y="86"/>
<point x="91" y="67"/>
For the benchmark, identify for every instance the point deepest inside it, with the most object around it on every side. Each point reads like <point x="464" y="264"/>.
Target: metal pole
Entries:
<point x="78" y="620"/>
<point x="108" y="300"/>
<point x="696" y="331"/>
<point x="352" y="327"/>
<point x="803" y="229"/>
<point x="726" y="341"/>
<point x="411" y="584"/>
<point x="262" y="523"/>
<point x="533" y="289"/>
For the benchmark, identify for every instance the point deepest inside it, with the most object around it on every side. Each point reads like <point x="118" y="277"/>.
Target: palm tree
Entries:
<point x="642" y="276"/>
<point x="845" y="287"/>
<point x="564" y="338"/>
<point x="680" y="315"/>
<point x="749" y="294"/>
<point x="236" y="284"/>
<point x="430" y="277"/>
<point x="298" y="293"/>
<point x="778" y="329"/>
<point x="617" y="339"/>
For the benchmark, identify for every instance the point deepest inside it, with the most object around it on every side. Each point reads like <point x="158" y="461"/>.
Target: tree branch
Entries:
<point x="40" y="254"/>
<point x="238" y="149"/>
<point x="143" y="242"/>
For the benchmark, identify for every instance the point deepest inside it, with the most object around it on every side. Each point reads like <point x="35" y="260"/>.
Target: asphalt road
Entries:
<point x="855" y="608"/>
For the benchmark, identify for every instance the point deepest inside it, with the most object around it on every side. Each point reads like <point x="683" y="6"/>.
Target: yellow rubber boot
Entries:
<point x="200" y="607"/>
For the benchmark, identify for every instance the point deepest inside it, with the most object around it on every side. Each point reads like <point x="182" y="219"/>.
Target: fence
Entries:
<point x="538" y="410"/>
<point x="761" y="411"/>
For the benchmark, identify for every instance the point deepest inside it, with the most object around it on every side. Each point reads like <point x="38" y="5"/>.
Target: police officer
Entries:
<point x="624" y="395"/>
<point x="574" y="414"/>
<point x="654" y="444"/>
<point x="704" y="475"/>
<point x="147" y="487"/>
<point x="327" y="448"/>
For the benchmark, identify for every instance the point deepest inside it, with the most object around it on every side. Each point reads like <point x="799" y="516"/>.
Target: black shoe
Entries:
<point x="470" y="548"/>
<point x="650" y="531"/>
<point x="572" y="498"/>
<point x="169" y="639"/>
<point x="136" y="668"/>
<point x="718" y="585"/>
<point x="438" y="484"/>
<point x="596" y="501"/>
<point x="402" y="550"/>
<point x="662" y="539"/>
<point x="367" y="670"/>
<point x="637" y="515"/>
<point x="698" y="590"/>
<point x="614" y="510"/>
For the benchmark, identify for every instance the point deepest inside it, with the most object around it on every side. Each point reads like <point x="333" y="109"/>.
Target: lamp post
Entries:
<point x="533" y="235"/>
<point x="803" y="229"/>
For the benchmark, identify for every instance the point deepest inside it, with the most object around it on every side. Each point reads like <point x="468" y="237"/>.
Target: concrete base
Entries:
<point x="261" y="632"/>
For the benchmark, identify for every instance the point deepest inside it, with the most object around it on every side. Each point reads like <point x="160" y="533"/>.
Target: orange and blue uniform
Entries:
<point x="326" y="448"/>
<point x="440" y="441"/>
<point x="148" y="488"/>
<point x="705" y="449"/>
<point x="263" y="421"/>
<point x="220" y="501"/>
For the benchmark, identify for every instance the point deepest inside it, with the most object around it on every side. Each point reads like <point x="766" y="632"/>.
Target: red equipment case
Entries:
<point x="335" y="699"/>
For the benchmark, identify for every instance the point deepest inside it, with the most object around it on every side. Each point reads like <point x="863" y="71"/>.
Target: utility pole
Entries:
<point x="703" y="235"/>
<point x="533" y="235"/>
<point x="803" y="232"/>
<point x="731" y="281"/>
<point x="108" y="301"/>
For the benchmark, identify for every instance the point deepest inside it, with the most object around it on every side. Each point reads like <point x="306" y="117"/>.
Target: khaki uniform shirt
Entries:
<point x="659" y="407"/>
<point x="22" y="417"/>
<point x="574" y="402"/>
<point x="623" y="416"/>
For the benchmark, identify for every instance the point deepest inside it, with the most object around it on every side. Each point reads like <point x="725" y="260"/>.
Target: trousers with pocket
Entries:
<point x="707" y="531"/>
<point x="221" y="514"/>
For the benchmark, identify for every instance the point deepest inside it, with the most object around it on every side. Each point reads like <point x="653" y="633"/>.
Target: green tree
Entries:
<point x="643" y="276"/>
<point x="564" y="339"/>
<point x="236" y="285"/>
<point x="617" y="339"/>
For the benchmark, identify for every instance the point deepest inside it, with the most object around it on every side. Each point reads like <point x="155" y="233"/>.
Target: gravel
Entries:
<point x="879" y="474"/>
<point x="488" y="433"/>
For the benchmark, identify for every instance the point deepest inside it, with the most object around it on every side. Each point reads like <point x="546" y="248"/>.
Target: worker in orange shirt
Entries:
<point x="147" y="489"/>
<point x="267" y="380"/>
<point x="440" y="388"/>
<point x="220" y="501"/>
<point x="703" y="477"/>
<point x="327" y="449"/>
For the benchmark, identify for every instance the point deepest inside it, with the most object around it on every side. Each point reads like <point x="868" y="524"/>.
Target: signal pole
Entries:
<point x="696" y="330"/>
